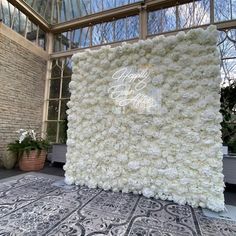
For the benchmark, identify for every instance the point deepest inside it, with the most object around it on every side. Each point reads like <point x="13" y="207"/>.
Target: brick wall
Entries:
<point x="22" y="75"/>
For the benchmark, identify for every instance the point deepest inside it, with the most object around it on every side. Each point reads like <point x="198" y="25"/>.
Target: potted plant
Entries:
<point x="9" y="160"/>
<point x="30" y="150"/>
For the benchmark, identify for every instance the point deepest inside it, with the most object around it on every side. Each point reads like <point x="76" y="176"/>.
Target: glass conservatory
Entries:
<point x="137" y="98"/>
<point x="61" y="28"/>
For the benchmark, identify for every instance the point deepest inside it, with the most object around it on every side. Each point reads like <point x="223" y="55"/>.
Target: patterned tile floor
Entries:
<point x="56" y="169"/>
<point x="33" y="204"/>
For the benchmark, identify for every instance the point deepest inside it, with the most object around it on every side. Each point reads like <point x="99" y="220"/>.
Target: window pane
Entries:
<point x="55" y="88"/>
<point x="53" y="110"/>
<point x="120" y="30"/>
<point x="7" y="11"/>
<point x="31" y="31"/>
<point x="228" y="70"/>
<point x="84" y="37"/>
<point x="56" y="68"/>
<point x="102" y="33"/>
<point x="63" y="115"/>
<point x="62" y="132"/>
<point x="47" y="12"/>
<point x="108" y="4"/>
<point x="51" y="131"/>
<point x="39" y="6"/>
<point x="67" y="67"/>
<point x="225" y="10"/>
<point x="194" y="13"/>
<point x="55" y="18"/>
<point x="96" y="6"/>
<point x="64" y="11"/>
<point x="75" y="38"/>
<point x="121" y="2"/>
<point x="65" y="88"/>
<point x="107" y="32"/>
<point x="42" y="39"/>
<point x="85" y="7"/>
<point x="19" y="22"/>
<point x="227" y="43"/>
<point x="132" y="27"/>
<point x="80" y="38"/>
<point x="75" y="9"/>
<point x="56" y="11"/>
<point x="97" y="34"/>
<point x="65" y="41"/>
<point x="162" y="20"/>
<point x="202" y="12"/>
<point x="61" y="42"/>
<point x="186" y="15"/>
<point x="30" y="2"/>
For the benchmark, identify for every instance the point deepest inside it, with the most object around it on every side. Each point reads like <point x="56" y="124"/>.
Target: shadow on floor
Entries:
<point x="55" y="169"/>
<point x="230" y="194"/>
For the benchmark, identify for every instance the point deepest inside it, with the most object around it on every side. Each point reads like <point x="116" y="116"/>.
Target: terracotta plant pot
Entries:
<point x="32" y="161"/>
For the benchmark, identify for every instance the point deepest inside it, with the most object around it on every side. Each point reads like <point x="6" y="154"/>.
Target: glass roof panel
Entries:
<point x="58" y="11"/>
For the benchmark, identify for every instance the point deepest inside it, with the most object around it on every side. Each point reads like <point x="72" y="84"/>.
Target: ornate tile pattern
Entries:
<point x="31" y="205"/>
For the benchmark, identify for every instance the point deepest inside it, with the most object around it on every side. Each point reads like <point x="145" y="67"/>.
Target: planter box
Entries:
<point x="225" y="150"/>
<point x="229" y="169"/>
<point x="58" y="153"/>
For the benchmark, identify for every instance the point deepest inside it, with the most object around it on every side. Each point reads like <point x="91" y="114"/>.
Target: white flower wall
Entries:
<point x="171" y="151"/>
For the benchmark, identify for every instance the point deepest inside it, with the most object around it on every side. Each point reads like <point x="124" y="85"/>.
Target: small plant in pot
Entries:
<point x="30" y="150"/>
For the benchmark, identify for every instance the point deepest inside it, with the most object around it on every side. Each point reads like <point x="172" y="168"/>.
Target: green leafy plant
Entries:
<point x="27" y="142"/>
<point x="228" y="110"/>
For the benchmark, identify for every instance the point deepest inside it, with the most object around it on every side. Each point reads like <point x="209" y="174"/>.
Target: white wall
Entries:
<point x="162" y="138"/>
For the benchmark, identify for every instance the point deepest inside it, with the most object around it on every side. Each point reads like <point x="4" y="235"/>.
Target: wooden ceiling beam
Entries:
<point x="160" y="4"/>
